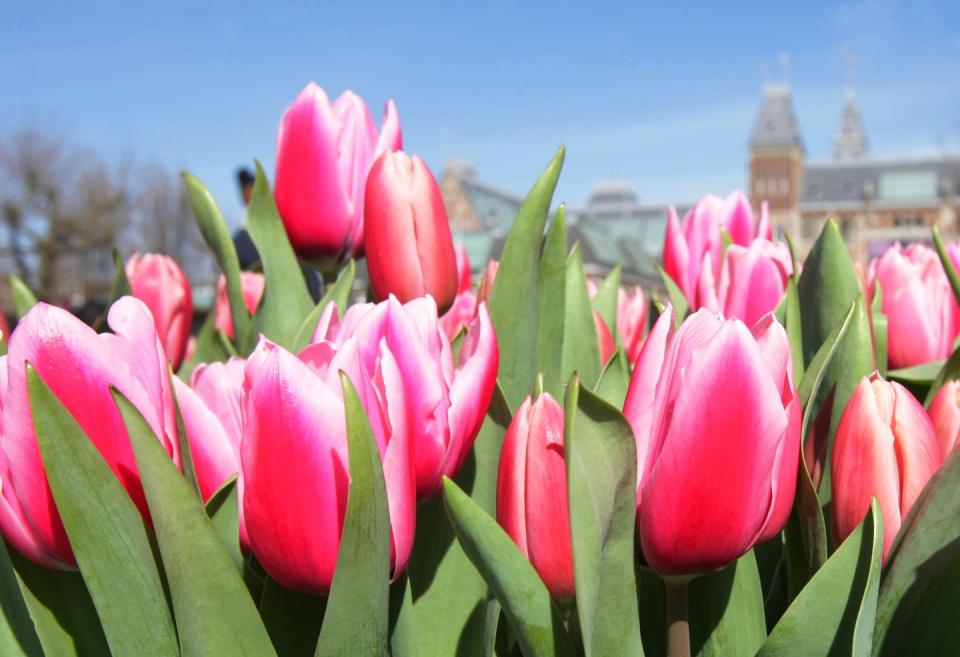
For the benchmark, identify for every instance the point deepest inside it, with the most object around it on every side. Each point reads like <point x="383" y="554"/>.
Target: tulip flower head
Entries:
<point x="79" y="366"/>
<point x="160" y="283"/>
<point x="884" y="447"/>
<point x="409" y="247"/>
<point x="252" y="284"/>
<point x="945" y="414"/>
<point x="716" y="417"/>
<point x="324" y="153"/>
<point x="531" y="492"/>
<point x="631" y="319"/>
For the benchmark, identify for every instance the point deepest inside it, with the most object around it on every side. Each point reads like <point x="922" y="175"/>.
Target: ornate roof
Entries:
<point x="776" y="124"/>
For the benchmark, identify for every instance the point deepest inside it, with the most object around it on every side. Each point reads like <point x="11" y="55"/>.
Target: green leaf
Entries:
<point x="450" y="596"/>
<point x="827" y="287"/>
<point x="209" y="349"/>
<point x="292" y="619"/>
<point x="402" y="637"/>
<point x="923" y="374"/>
<point x="339" y="293"/>
<point x="223" y="510"/>
<point x="18" y="638"/>
<point x="183" y="443"/>
<point x="581" y="347"/>
<point x="357" y="617"/>
<point x="949" y="372"/>
<point x="61" y="609"/>
<point x="605" y="301"/>
<point x="879" y="321"/>
<point x="106" y="531"/>
<point x="834" y="614"/>
<point x="552" y="282"/>
<point x="513" y="301"/>
<point x="916" y="613"/>
<point x="217" y="236"/>
<point x="947" y="263"/>
<point x="615" y="379"/>
<point x="726" y="611"/>
<point x="525" y="600"/>
<point x="675" y="295"/>
<point x="23" y="297"/>
<point x="601" y="458"/>
<point x="286" y="300"/>
<point x="214" y="612"/>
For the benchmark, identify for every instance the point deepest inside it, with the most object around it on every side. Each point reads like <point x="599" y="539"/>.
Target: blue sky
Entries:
<point x="661" y="96"/>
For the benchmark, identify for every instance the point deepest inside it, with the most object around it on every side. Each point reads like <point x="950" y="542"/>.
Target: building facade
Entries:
<point x="876" y="202"/>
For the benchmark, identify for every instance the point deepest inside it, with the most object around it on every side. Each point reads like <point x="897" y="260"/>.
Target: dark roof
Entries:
<point x="884" y="182"/>
<point x="777" y="123"/>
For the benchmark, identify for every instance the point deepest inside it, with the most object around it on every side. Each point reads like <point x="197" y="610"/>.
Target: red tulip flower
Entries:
<point x="159" y="282"/>
<point x="409" y="248"/>
<point x="716" y="417"/>
<point x="884" y="447"/>
<point x="531" y="492"/>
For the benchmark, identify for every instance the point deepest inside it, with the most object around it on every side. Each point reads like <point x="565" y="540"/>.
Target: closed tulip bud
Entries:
<point x="884" y="447"/>
<point x="531" y="492"/>
<point x="79" y="366"/>
<point x="922" y="316"/>
<point x="716" y="417"/>
<point x="295" y="460"/>
<point x="252" y="285"/>
<point x="945" y="414"/>
<point x="409" y="248"/>
<point x="159" y="282"/>
<point x="324" y="153"/>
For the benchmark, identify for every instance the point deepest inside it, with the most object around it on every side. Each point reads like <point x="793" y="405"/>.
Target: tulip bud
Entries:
<point x="922" y="316"/>
<point x="324" y="153"/>
<point x="531" y="492"/>
<point x="159" y="282"/>
<point x="884" y="447"/>
<point x="945" y="414"/>
<point x="716" y="417"/>
<point x="252" y="285"/>
<point x="79" y="366"/>
<point x="409" y="248"/>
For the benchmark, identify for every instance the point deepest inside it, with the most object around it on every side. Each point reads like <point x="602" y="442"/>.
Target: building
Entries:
<point x="876" y="202"/>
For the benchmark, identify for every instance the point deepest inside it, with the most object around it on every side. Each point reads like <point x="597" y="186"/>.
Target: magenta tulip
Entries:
<point x="295" y="463"/>
<point x="531" y="492"/>
<point x="701" y="233"/>
<point x="884" y="447"/>
<point x="716" y="417"/>
<point x="631" y="320"/>
<point x="464" y="308"/>
<point x="79" y="366"/>
<point x="252" y="285"/>
<point x="409" y="248"/>
<point x="605" y="342"/>
<point x="159" y="282"/>
<point x="945" y="414"/>
<point x="922" y="316"/>
<point x="210" y="406"/>
<point x="324" y="153"/>
<point x="446" y="401"/>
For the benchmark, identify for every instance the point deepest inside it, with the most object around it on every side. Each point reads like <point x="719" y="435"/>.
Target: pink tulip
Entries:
<point x="464" y="308"/>
<point x="945" y="414"/>
<point x="295" y="462"/>
<point x="159" y="282"/>
<point x="631" y="319"/>
<point x="716" y="417"/>
<point x="408" y="243"/>
<point x="252" y="285"/>
<point x="210" y="406"/>
<point x="753" y="279"/>
<point x="324" y="153"/>
<point x="686" y="245"/>
<point x="446" y="402"/>
<point x="4" y="327"/>
<point x="531" y="492"/>
<point x="605" y="341"/>
<point x="80" y="367"/>
<point x="884" y="447"/>
<point x="922" y="316"/>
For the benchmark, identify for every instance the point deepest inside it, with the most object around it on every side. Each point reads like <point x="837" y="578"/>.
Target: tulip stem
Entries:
<point x="677" y="618"/>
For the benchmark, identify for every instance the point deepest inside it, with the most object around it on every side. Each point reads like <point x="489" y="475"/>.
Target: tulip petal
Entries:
<point x="215" y="457"/>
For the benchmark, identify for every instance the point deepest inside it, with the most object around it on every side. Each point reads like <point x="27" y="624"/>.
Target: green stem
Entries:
<point x="677" y="618"/>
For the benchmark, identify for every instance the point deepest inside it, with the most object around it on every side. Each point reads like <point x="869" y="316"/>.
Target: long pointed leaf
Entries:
<point x="23" y="297"/>
<point x="581" y="348"/>
<point x="551" y="294"/>
<point x="18" y="638"/>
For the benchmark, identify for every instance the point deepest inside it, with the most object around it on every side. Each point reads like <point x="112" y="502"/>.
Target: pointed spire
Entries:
<point x="851" y="140"/>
